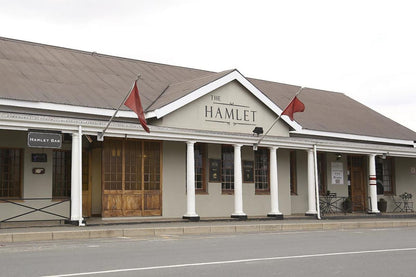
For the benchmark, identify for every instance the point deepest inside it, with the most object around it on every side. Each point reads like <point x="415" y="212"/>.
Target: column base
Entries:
<point x="76" y="222"/>
<point x="275" y="216"/>
<point x="239" y="216"/>
<point x="373" y="212"/>
<point x="311" y="213"/>
<point x="191" y="217"/>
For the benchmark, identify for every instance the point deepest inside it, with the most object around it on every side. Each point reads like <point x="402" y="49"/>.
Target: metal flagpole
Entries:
<point x="100" y="135"/>
<point x="274" y="122"/>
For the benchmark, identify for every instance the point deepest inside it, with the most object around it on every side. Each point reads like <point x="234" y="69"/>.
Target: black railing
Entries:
<point x="24" y="202"/>
<point x="331" y="204"/>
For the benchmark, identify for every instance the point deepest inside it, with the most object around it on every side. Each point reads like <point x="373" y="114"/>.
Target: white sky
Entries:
<point x="365" y="49"/>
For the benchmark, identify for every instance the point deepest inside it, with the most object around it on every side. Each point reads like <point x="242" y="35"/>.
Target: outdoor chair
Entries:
<point x="398" y="204"/>
<point x="407" y="204"/>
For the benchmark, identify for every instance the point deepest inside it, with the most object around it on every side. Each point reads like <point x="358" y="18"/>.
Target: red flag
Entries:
<point x="134" y="103"/>
<point x="295" y="106"/>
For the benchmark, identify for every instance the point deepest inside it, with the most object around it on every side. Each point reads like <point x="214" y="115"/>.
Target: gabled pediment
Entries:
<point x="232" y="108"/>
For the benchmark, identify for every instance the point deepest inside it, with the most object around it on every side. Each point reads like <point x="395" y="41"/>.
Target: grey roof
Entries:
<point x="37" y="72"/>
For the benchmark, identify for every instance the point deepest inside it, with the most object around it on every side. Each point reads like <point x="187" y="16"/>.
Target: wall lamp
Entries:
<point x="258" y="130"/>
<point x="338" y="155"/>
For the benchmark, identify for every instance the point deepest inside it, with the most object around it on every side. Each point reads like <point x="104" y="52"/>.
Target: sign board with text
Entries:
<point x="44" y="140"/>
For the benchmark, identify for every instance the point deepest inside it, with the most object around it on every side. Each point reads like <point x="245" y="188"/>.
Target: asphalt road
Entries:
<point x="364" y="252"/>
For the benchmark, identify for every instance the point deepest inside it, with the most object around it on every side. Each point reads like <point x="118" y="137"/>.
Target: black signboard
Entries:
<point x="44" y="140"/>
<point x="214" y="170"/>
<point x="248" y="171"/>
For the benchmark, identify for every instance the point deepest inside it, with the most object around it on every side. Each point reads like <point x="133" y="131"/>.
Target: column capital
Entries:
<point x="273" y="148"/>
<point x="239" y="145"/>
<point x="190" y="142"/>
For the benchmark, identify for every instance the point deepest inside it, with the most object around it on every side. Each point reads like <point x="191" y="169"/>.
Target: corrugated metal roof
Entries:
<point x="37" y="72"/>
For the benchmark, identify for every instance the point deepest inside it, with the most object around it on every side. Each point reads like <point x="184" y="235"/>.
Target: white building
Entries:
<point x="198" y="159"/>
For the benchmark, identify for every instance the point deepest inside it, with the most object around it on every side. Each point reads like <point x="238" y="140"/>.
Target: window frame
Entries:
<point x="293" y="173"/>
<point x="202" y="149"/>
<point x="227" y="149"/>
<point x="392" y="176"/>
<point x="67" y="169"/>
<point x="266" y="152"/>
<point x="322" y="169"/>
<point x="20" y="174"/>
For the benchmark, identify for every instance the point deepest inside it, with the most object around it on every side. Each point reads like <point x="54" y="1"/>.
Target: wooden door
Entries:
<point x="131" y="178"/>
<point x="152" y="201"/>
<point x="357" y="171"/>
<point x="86" y="184"/>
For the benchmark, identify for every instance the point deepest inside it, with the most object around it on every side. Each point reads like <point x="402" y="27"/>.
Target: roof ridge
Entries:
<point x="205" y="76"/>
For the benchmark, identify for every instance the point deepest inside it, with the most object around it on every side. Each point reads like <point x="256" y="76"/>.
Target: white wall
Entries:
<point x="214" y="203"/>
<point x="405" y="181"/>
<point x="193" y="115"/>
<point x="33" y="185"/>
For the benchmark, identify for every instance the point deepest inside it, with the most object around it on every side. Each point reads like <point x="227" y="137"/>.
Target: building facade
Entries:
<point x="201" y="157"/>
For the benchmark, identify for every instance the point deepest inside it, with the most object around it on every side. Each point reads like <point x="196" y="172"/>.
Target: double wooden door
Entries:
<point x="131" y="178"/>
<point x="357" y="170"/>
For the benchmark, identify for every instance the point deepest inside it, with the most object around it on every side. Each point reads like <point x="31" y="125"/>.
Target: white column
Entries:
<point x="373" y="184"/>
<point x="238" y="184"/>
<point x="190" y="182"/>
<point x="274" y="185"/>
<point x="76" y="178"/>
<point x="311" y="185"/>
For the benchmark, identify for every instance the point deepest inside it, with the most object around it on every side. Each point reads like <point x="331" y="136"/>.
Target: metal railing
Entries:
<point x="24" y="202"/>
<point x="331" y="204"/>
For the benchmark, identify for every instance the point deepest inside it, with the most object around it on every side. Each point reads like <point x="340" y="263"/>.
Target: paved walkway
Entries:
<point x="131" y="228"/>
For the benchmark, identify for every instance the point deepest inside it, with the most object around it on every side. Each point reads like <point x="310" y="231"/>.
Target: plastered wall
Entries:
<point x="33" y="185"/>
<point x="230" y="108"/>
<point x="214" y="203"/>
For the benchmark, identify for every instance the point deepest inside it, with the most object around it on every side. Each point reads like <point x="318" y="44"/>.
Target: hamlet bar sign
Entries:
<point x="44" y="140"/>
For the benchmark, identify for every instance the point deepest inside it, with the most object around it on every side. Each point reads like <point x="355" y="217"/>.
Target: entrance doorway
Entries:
<point x="86" y="183"/>
<point x="358" y="186"/>
<point x="131" y="178"/>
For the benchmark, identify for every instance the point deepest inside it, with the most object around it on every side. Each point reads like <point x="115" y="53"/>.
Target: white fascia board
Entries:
<point x="67" y="108"/>
<point x="353" y="137"/>
<point x="234" y="75"/>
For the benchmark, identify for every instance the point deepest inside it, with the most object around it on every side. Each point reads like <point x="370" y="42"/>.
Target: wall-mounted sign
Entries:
<point x="231" y="113"/>
<point x="248" y="171"/>
<point x="39" y="158"/>
<point x="214" y="170"/>
<point x="337" y="173"/>
<point x="44" y="140"/>
<point x="38" y="170"/>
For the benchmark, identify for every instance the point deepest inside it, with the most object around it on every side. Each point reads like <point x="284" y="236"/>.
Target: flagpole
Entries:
<point x="100" y="135"/>
<point x="274" y="122"/>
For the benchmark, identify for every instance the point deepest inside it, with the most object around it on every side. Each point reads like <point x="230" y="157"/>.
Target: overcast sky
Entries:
<point x="365" y="49"/>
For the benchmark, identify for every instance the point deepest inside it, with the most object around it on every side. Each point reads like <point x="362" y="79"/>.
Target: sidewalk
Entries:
<point x="111" y="229"/>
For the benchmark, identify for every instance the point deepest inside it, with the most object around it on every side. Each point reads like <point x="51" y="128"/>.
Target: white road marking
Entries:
<point x="234" y="262"/>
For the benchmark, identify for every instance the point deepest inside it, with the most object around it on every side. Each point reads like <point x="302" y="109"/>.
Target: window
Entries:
<point x="151" y="168"/>
<point x="261" y="170"/>
<point x="227" y="169"/>
<point x="322" y="173"/>
<point x="293" y="173"/>
<point x="61" y="174"/>
<point x="384" y="174"/>
<point x="131" y="165"/>
<point x="200" y="152"/>
<point x="10" y="172"/>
